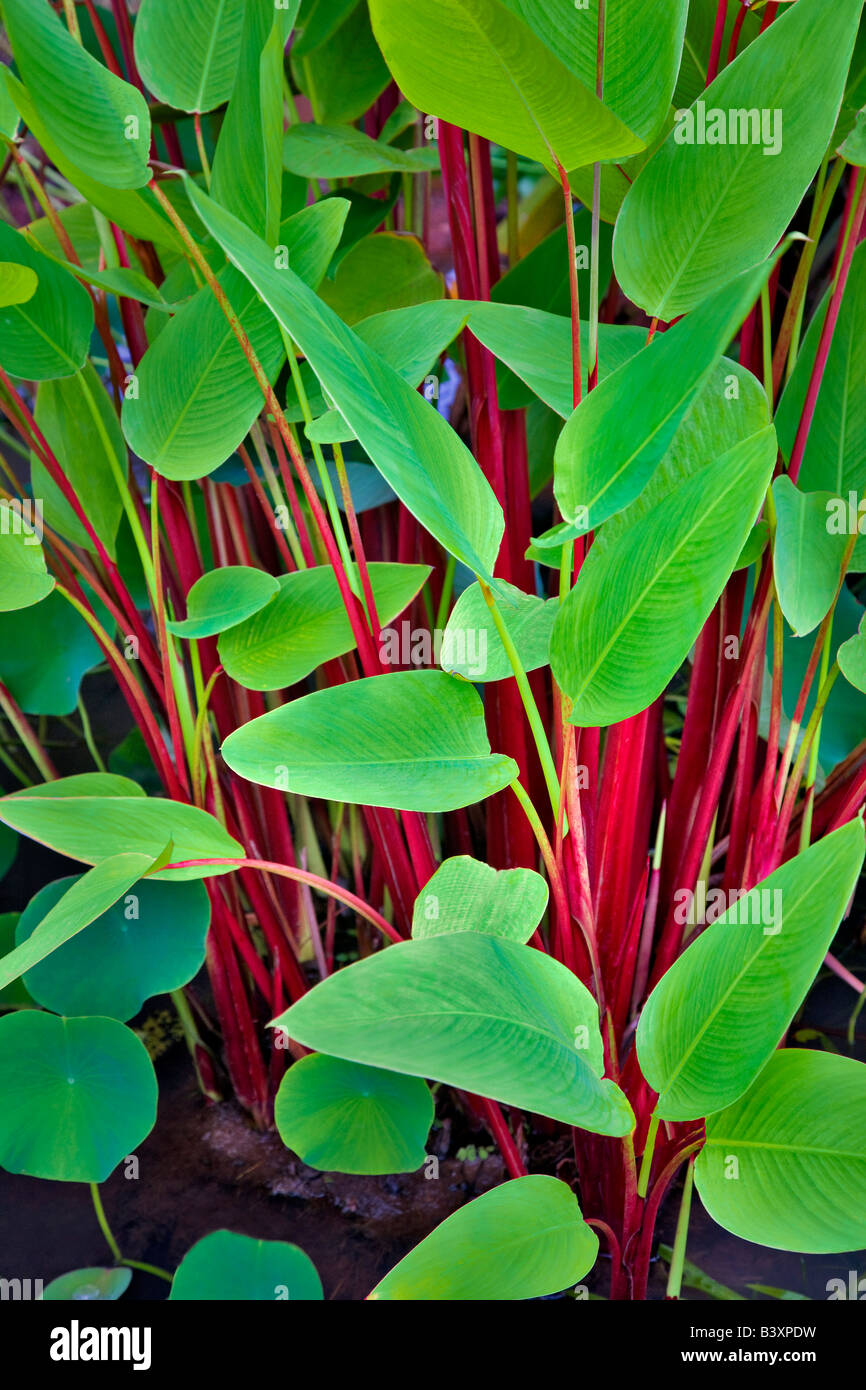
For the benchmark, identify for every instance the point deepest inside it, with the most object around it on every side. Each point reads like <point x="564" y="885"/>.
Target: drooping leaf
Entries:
<point x="197" y="396"/>
<point x="418" y="453"/>
<point x="525" y="1239"/>
<point x="78" y="1095"/>
<point x="621" y="431"/>
<point x="345" y="1118"/>
<point x="48" y="334"/>
<point x="99" y="121"/>
<point x="225" y="1266"/>
<point x="88" y="1285"/>
<point x="482" y="1013"/>
<point x="411" y="740"/>
<point x="472" y="647"/>
<point x="307" y="624"/>
<point x="640" y="602"/>
<point x="701" y="212"/>
<point x="24" y="578"/>
<point x="110" y="815"/>
<point x="798" y="1138"/>
<point x="188" y="55"/>
<point x="489" y="73"/>
<point x="224" y="597"/>
<point x="151" y="940"/>
<point x="807" y="557"/>
<point x="465" y="894"/>
<point x="343" y="152"/>
<point x="713" y="1021"/>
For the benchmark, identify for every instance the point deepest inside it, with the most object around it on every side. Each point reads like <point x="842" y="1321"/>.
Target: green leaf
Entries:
<point x="45" y="651"/>
<point x="307" y="624"/>
<point x="417" y="452"/>
<point x="714" y="1020"/>
<point x="233" y="1268"/>
<point x="78" y="902"/>
<point x="525" y="1239"/>
<point x="319" y="19"/>
<point x="412" y="741"/>
<point x="700" y="213"/>
<point x="851" y="657"/>
<point x="99" y="121"/>
<point x="24" y="575"/>
<point x="343" y="152"/>
<point x="223" y="598"/>
<point x="48" y="334"/>
<point x="345" y="1118"/>
<point x="94" y="816"/>
<point x="80" y="424"/>
<point x="197" y="396"/>
<point x="642" y="49"/>
<point x="835" y="456"/>
<point x="807" y="557"/>
<point x="472" y="647"/>
<point x="188" y="56"/>
<point x="465" y="894"/>
<point x="88" y="1285"/>
<point x="620" y="432"/>
<point x="487" y="1015"/>
<point x="383" y="272"/>
<point x="18" y="284"/>
<point x="343" y="75"/>
<point x="247" y="166"/>
<point x="799" y="1141"/>
<point x="640" y="603"/>
<point x="151" y="942"/>
<point x="78" y="1095"/>
<point x="488" y="72"/>
<point x="755" y="545"/>
<point x="854" y="147"/>
<point x="12" y="996"/>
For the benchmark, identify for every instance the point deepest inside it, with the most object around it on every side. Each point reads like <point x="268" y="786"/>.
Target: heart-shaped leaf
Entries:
<point x="227" y="1267"/>
<point x="472" y="647"/>
<point x="466" y="895"/>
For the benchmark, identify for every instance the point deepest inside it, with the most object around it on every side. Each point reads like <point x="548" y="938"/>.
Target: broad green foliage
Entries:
<point x="345" y="72"/>
<point x="525" y="1239"/>
<point x="807" y="557"/>
<point x="188" y="56"/>
<point x="306" y="624"/>
<point x="46" y="335"/>
<point x="343" y="152"/>
<point x="99" y="122"/>
<point x="380" y="273"/>
<point x="472" y="647"/>
<point x="22" y="562"/>
<point x="703" y="210"/>
<point x="511" y="1023"/>
<point x="150" y="941"/>
<point x="93" y="817"/>
<point x="342" y="1117"/>
<point x="467" y="895"/>
<point x="713" y="1022"/>
<point x="227" y="1266"/>
<point x="78" y="1095"/>
<point x="638" y="606"/>
<point x="489" y="72"/>
<point x="800" y="1131"/>
<point x="91" y="1285"/>
<point x="45" y="651"/>
<point x="412" y="740"/>
<point x="223" y="598"/>
<point x="420" y="456"/>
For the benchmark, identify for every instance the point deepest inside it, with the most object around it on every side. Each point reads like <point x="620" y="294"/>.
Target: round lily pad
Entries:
<point x="347" y="1118"/>
<point x="76" y="1096"/>
<point x="88" y="1286"/>
<point x="225" y="1265"/>
<point x="150" y="942"/>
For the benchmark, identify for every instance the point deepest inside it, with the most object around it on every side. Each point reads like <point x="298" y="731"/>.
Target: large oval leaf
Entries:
<point x="99" y="121"/>
<point x="715" y="1018"/>
<point x="487" y="1015"/>
<point x="701" y="210"/>
<point x="412" y="741"/>
<point x="78" y="1094"/>
<point x="639" y="604"/>
<point x="525" y="1239"/>
<point x="188" y="54"/>
<point x="228" y="1267"/>
<point x="345" y="1118"/>
<point x="807" y="556"/>
<point x="415" y="449"/>
<point x="489" y="73"/>
<point x="786" y="1165"/>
